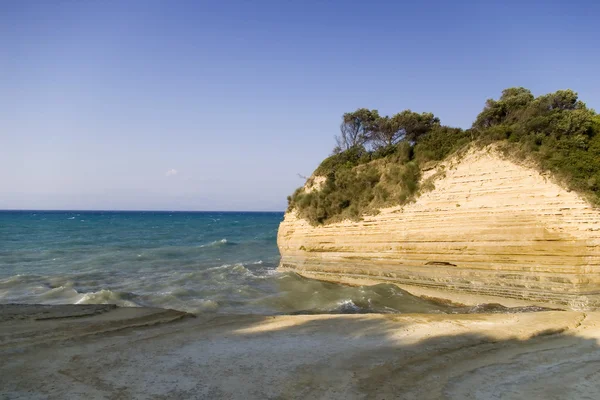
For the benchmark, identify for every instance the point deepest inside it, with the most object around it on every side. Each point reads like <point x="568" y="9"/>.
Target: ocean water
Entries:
<point x="200" y="262"/>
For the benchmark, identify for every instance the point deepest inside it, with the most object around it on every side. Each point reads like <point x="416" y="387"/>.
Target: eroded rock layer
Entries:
<point x="490" y="227"/>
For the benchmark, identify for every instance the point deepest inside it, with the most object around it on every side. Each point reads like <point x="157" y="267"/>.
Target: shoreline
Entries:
<point x="101" y="351"/>
<point x="451" y="297"/>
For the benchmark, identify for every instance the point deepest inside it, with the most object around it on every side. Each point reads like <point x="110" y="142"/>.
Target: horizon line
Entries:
<point x="116" y="210"/>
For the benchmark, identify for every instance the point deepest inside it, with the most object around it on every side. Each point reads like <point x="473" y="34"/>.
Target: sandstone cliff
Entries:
<point x="489" y="227"/>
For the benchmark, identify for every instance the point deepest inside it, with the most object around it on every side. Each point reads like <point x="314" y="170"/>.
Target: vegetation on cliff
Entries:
<point x="378" y="159"/>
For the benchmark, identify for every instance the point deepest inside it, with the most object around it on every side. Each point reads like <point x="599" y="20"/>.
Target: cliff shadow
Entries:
<point x="546" y="355"/>
<point x="535" y="356"/>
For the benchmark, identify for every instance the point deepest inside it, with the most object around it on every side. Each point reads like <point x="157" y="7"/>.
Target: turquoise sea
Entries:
<point x="218" y="262"/>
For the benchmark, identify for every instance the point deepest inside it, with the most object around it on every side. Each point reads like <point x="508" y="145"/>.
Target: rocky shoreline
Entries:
<point x="107" y="352"/>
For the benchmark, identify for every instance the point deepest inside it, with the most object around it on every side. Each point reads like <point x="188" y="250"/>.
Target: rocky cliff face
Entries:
<point x="490" y="227"/>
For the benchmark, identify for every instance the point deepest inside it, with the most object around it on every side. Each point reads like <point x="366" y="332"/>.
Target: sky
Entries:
<point x="224" y="105"/>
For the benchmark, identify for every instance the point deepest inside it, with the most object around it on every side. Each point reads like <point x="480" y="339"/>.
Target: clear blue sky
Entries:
<point x="193" y="105"/>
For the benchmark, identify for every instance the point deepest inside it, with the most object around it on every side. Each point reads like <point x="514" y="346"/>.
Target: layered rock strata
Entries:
<point x="490" y="226"/>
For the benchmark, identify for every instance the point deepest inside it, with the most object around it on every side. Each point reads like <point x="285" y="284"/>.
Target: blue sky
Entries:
<point x="193" y="105"/>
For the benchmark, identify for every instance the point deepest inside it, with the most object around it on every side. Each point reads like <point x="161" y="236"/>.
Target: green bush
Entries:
<point x="346" y="159"/>
<point x="440" y="142"/>
<point x="555" y="131"/>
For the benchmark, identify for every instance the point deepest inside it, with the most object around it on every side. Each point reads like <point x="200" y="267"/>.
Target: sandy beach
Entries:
<point x="105" y="352"/>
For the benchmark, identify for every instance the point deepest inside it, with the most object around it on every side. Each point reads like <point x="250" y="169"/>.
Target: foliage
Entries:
<point x="346" y="159"/>
<point x="351" y="192"/>
<point x="414" y="125"/>
<point x="406" y="125"/>
<point x="440" y="142"/>
<point x="379" y="159"/>
<point x="556" y="131"/>
<point x="356" y="129"/>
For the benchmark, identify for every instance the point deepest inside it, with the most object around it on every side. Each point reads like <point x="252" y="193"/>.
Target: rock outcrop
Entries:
<point x="489" y="227"/>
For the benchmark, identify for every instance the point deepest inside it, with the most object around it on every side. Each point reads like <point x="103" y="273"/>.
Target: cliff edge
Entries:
<point x="488" y="227"/>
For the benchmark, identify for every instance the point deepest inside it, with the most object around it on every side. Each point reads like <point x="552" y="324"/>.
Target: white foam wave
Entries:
<point x="266" y="273"/>
<point x="204" y="306"/>
<point x="232" y="267"/>
<point x="215" y="243"/>
<point x="12" y="279"/>
<point x="105" y="296"/>
<point x="60" y="293"/>
<point x="271" y="272"/>
<point x="220" y="267"/>
<point x="347" y="306"/>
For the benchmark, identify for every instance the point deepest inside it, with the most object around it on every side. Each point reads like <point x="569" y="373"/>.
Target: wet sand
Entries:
<point x="104" y="352"/>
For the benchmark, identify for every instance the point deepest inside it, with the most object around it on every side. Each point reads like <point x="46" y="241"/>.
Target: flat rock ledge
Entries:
<point x="105" y="352"/>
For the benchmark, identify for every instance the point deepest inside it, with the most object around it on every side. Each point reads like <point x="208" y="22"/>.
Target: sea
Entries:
<point x="199" y="262"/>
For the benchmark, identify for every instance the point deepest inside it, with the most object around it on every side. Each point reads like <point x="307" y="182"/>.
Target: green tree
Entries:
<point x="356" y="128"/>
<point x="412" y="126"/>
<point x="560" y="100"/>
<point x="406" y="125"/>
<point x="511" y="104"/>
<point x="386" y="132"/>
<point x="516" y="98"/>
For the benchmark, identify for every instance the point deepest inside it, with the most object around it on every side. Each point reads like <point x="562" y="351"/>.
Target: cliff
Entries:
<point x="489" y="227"/>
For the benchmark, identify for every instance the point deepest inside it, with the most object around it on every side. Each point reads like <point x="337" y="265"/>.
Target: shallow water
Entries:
<point x="195" y="262"/>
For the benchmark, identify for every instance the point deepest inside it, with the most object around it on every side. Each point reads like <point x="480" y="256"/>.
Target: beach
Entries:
<point x="299" y="200"/>
<point x="135" y="305"/>
<point x="103" y="351"/>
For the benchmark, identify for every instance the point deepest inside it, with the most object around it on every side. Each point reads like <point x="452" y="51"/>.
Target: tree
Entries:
<point x="356" y="128"/>
<point x="516" y="98"/>
<point x="512" y="103"/>
<point x="414" y="125"/>
<point x="493" y="114"/>
<point x="560" y="100"/>
<point x="386" y="132"/>
<point x="407" y="125"/>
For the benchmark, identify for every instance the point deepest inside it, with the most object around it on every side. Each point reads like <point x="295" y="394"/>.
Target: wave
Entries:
<point x="17" y="279"/>
<point x="106" y="296"/>
<point x="221" y="242"/>
<point x="347" y="307"/>
<point x="495" y="308"/>
<point x="249" y="287"/>
<point x="238" y="269"/>
<point x="60" y="293"/>
<point x="193" y="305"/>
